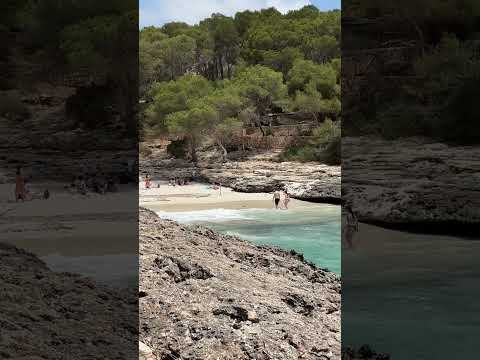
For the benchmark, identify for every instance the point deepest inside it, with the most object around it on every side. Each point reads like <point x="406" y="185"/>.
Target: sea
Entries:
<point x="313" y="231"/>
<point x="411" y="295"/>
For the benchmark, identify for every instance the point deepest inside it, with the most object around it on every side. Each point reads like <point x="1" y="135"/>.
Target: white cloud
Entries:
<point x="285" y="5"/>
<point x="157" y="12"/>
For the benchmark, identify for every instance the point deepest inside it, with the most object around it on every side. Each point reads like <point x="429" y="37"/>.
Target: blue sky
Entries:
<point x="158" y="12"/>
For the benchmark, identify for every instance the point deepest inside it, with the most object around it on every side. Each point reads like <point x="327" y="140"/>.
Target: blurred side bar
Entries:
<point x="68" y="179"/>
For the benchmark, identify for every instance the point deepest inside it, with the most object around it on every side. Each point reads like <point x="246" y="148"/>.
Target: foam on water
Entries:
<point x="212" y="215"/>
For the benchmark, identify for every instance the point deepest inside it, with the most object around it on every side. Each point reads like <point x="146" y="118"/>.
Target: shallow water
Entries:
<point x="412" y="295"/>
<point x="313" y="231"/>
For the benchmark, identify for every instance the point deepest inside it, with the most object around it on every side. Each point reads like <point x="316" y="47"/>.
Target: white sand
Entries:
<point x="77" y="225"/>
<point x="203" y="197"/>
<point x="70" y="224"/>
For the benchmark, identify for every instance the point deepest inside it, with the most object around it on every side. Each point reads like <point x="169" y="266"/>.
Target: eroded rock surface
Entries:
<point x="204" y="295"/>
<point x="48" y="145"/>
<point x="57" y="316"/>
<point x="411" y="181"/>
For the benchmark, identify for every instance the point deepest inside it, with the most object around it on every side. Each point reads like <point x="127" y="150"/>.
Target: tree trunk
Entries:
<point x="193" y="149"/>
<point x="262" y="130"/>
<point x="229" y="71"/>
<point x="215" y="69"/>
<point x="244" y="133"/>
<point x="221" y="67"/>
<point x="224" y="151"/>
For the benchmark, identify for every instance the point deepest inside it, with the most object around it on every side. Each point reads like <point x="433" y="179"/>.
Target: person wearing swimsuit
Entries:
<point x="148" y="182"/>
<point x="276" y="198"/>
<point x="286" y="200"/>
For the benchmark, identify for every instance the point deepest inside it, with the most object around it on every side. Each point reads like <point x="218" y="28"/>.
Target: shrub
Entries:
<point x="459" y="124"/>
<point x="402" y="120"/>
<point x="323" y="146"/>
<point x="12" y="107"/>
<point x="332" y="155"/>
<point x="178" y="149"/>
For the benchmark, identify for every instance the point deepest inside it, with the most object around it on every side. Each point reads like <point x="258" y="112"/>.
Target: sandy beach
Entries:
<point x="68" y="223"/>
<point x="196" y="196"/>
<point x="95" y="235"/>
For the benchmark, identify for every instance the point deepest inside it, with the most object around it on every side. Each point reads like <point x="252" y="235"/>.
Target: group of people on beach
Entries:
<point x="281" y="199"/>
<point x="99" y="184"/>
<point x="23" y="191"/>
<point x="148" y="183"/>
<point x="179" y="181"/>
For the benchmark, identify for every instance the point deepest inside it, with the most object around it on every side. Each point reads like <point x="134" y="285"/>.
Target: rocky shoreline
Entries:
<point x="204" y="295"/>
<point x="304" y="181"/>
<point x="49" y="315"/>
<point x="412" y="183"/>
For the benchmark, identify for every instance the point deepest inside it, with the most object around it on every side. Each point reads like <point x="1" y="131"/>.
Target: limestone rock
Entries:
<point x="48" y="315"/>
<point x="145" y="352"/>
<point x="411" y="181"/>
<point x="207" y="295"/>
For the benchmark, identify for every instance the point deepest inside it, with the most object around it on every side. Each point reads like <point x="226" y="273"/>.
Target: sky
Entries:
<point x="159" y="12"/>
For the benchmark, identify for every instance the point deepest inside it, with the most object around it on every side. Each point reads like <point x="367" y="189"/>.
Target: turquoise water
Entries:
<point x="313" y="231"/>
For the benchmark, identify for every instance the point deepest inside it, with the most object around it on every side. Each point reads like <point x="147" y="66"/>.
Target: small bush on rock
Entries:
<point x="178" y="149"/>
<point x="12" y="107"/>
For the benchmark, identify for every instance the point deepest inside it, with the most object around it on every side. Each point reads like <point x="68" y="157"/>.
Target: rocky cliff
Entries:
<point x="411" y="181"/>
<point x="56" y="316"/>
<point x="51" y="146"/>
<point x="204" y="295"/>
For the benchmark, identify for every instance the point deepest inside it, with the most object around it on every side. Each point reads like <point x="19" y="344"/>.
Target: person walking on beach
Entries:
<point x="19" y="185"/>
<point x="350" y="227"/>
<point x="286" y="199"/>
<point x="276" y="198"/>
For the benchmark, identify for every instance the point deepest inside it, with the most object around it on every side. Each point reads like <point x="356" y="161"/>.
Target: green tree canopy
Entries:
<point x="174" y="96"/>
<point x="191" y="124"/>
<point x="323" y="76"/>
<point x="262" y="86"/>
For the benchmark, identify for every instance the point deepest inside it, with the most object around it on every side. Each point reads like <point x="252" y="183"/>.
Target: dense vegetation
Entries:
<point x="226" y="74"/>
<point x="425" y="83"/>
<point x="51" y="40"/>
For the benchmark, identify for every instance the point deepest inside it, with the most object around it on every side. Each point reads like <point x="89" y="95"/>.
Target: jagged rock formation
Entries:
<point x="411" y="181"/>
<point x="306" y="181"/>
<point x="56" y="316"/>
<point x="204" y="295"/>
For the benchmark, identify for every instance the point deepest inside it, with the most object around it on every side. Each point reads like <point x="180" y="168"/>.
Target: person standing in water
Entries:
<point x="350" y="226"/>
<point x="276" y="198"/>
<point x="286" y="199"/>
<point x="19" y="185"/>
